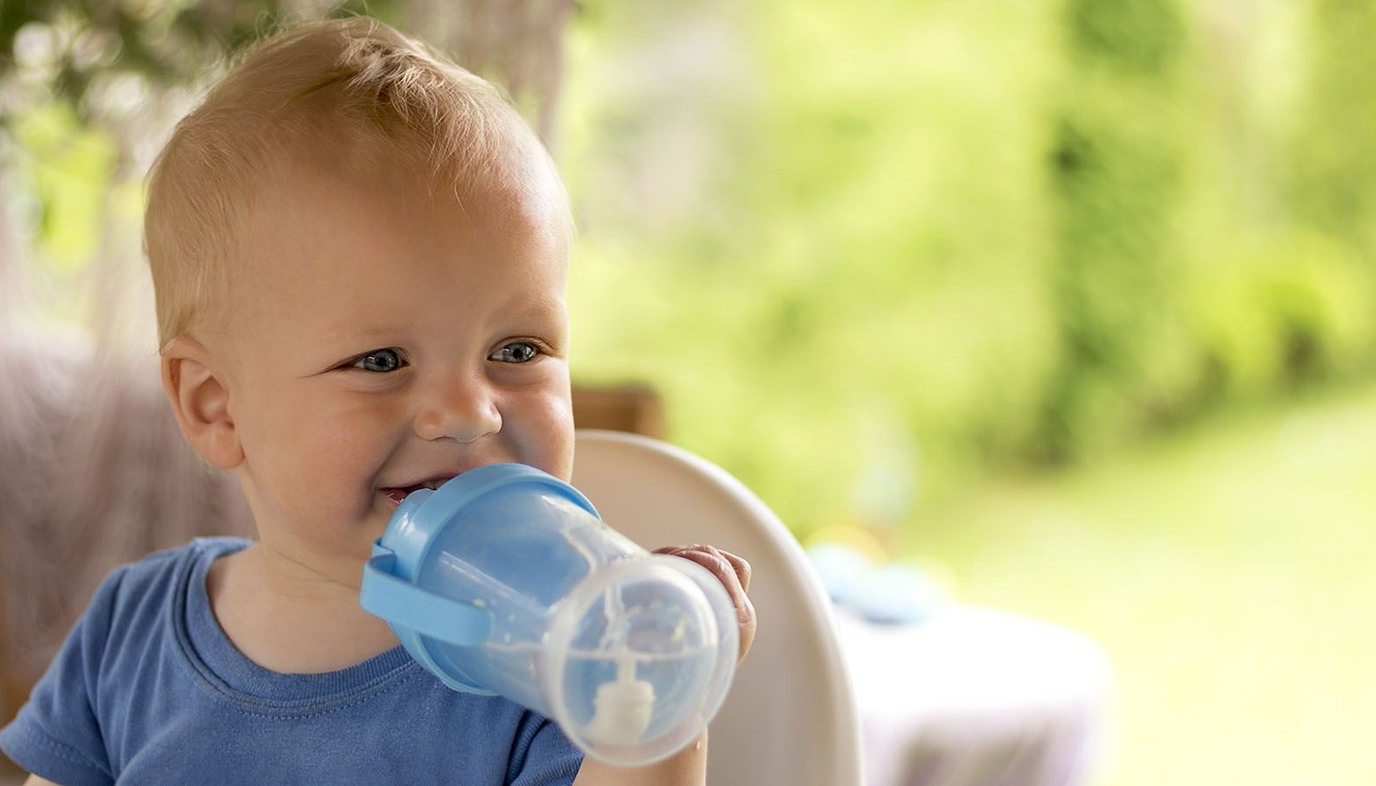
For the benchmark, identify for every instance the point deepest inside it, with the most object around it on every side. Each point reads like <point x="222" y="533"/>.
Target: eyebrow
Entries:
<point x="354" y="334"/>
<point x="519" y="308"/>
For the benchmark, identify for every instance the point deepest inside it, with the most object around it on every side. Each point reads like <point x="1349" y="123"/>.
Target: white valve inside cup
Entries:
<point x="645" y="661"/>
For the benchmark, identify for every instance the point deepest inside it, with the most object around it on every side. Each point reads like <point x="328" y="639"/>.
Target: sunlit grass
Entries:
<point x="1228" y="572"/>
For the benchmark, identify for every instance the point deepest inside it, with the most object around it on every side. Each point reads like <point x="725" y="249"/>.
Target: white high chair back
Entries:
<point x="790" y="718"/>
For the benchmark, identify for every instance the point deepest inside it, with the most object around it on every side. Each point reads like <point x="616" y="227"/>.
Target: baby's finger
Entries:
<point x="734" y="574"/>
<point x="741" y="567"/>
<point x="715" y="560"/>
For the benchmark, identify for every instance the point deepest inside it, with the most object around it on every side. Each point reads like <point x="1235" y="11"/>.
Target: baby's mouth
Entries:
<point x="398" y="494"/>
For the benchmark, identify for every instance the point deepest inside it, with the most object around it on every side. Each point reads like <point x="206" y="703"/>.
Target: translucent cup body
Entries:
<point x="631" y="653"/>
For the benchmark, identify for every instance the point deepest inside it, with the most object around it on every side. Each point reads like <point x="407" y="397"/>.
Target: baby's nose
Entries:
<point x="464" y="411"/>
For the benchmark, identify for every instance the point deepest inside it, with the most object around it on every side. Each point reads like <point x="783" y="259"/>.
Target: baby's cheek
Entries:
<point x="540" y="423"/>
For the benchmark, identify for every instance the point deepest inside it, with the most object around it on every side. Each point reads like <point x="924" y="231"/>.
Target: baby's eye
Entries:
<point x="516" y="352"/>
<point x="379" y="361"/>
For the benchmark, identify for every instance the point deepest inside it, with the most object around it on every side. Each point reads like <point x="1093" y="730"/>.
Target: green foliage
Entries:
<point x="1335" y="163"/>
<point x="953" y="237"/>
<point x="1130" y="37"/>
<point x="885" y="273"/>
<point x="1116" y="180"/>
<point x="1284" y="311"/>
<point x="66" y="167"/>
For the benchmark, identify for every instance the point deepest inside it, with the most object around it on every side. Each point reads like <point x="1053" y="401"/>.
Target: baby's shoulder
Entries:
<point x="166" y="565"/>
<point x="140" y="590"/>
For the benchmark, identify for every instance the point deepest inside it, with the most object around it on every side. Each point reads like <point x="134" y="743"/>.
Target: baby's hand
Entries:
<point x="734" y="574"/>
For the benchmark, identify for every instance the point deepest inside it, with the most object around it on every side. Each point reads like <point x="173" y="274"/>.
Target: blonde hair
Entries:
<point x="379" y="95"/>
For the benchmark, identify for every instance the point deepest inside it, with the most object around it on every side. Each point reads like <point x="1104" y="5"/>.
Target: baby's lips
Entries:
<point x="397" y="496"/>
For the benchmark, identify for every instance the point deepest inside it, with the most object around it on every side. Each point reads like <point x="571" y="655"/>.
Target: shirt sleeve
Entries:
<point x="542" y="755"/>
<point x="56" y="735"/>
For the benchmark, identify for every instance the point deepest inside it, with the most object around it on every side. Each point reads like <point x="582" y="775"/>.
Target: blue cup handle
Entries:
<point x="402" y="603"/>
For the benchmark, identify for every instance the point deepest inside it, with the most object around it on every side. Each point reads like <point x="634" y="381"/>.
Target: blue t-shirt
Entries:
<point x="149" y="689"/>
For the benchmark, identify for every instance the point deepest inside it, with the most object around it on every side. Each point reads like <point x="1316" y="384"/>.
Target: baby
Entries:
<point x="359" y="252"/>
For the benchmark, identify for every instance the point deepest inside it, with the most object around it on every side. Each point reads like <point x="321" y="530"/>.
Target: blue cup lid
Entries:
<point x="390" y="590"/>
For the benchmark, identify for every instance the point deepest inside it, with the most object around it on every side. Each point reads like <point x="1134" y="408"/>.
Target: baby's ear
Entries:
<point x="200" y="400"/>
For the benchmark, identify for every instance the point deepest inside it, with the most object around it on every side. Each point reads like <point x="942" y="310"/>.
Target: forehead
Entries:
<point x="379" y="194"/>
<point x="361" y="240"/>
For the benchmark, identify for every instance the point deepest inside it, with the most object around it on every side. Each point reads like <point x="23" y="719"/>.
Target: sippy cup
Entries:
<point x="505" y="580"/>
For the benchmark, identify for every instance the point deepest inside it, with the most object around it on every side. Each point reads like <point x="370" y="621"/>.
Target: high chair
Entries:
<point x="790" y="718"/>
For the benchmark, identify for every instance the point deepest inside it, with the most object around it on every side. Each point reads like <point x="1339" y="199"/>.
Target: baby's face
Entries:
<point x="382" y="342"/>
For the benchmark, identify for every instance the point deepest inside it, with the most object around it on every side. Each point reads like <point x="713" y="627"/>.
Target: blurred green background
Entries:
<point x="1071" y="299"/>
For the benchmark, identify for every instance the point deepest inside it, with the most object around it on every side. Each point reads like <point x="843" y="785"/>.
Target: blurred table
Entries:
<point x="977" y="697"/>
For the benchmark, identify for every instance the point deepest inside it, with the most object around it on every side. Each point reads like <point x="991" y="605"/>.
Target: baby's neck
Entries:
<point x="289" y="625"/>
